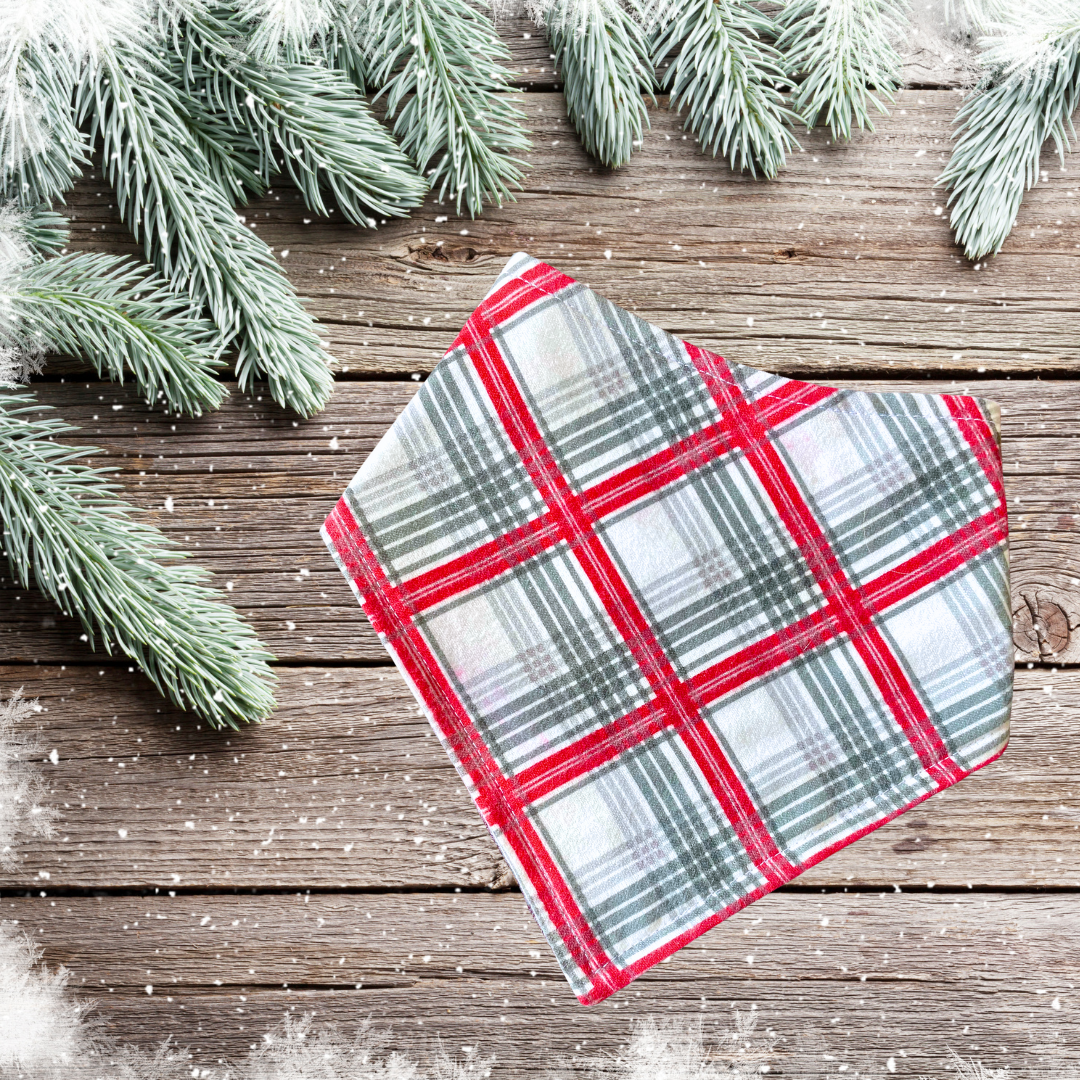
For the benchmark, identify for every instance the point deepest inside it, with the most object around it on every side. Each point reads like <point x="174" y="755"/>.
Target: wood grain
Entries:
<point x="250" y="486"/>
<point x="854" y="979"/>
<point x="346" y="788"/>
<point x="844" y="263"/>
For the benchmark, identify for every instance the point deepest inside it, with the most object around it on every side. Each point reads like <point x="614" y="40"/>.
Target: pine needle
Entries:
<point x="730" y="79"/>
<point x="191" y="233"/>
<point x="603" y="56"/>
<point x="65" y="525"/>
<point x="844" y="48"/>
<point x="1028" y="95"/>
<point x="440" y="65"/>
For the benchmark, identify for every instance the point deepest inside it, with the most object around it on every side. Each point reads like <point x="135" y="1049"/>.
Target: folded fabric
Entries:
<point x="684" y="627"/>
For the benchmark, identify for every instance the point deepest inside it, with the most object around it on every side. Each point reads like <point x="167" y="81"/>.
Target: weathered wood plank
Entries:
<point x="861" y="977"/>
<point x="346" y="787"/>
<point x="844" y="263"/>
<point x="254" y="518"/>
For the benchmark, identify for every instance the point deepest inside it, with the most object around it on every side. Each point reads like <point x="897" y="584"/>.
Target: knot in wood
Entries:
<point x="446" y="252"/>
<point x="1040" y="627"/>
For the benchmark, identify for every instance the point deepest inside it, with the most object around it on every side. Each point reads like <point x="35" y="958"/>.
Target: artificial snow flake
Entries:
<point x="45" y="1035"/>
<point x="43" y="1026"/>
<point x="677" y="1049"/>
<point x="291" y="25"/>
<point x="23" y="811"/>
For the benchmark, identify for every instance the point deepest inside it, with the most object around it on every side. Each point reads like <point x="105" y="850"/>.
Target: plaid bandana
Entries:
<point x="684" y="627"/>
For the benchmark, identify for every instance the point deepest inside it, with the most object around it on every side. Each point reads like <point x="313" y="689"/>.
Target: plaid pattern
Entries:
<point x="684" y="627"/>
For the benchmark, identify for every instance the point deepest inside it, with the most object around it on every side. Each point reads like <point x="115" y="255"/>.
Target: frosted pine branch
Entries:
<point x="303" y="117"/>
<point x="846" y="49"/>
<point x="603" y="57"/>
<point x="729" y="79"/>
<point x="441" y="67"/>
<point x="285" y="26"/>
<point x="191" y="233"/>
<point x="66" y="527"/>
<point x="43" y="47"/>
<point x="103" y="309"/>
<point x="1029" y="91"/>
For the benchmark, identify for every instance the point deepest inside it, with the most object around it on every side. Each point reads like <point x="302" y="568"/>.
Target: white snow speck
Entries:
<point x="54" y="756"/>
<point x="122" y="833"/>
<point x="891" y="1064"/>
<point x="334" y="443"/>
<point x="169" y="503"/>
<point x="607" y="253"/>
<point x="1056" y="1003"/>
<point x="149" y="988"/>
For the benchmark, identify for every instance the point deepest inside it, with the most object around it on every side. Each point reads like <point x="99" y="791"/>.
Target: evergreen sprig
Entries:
<point x="1030" y="91"/>
<point x="730" y="80"/>
<point x="603" y="56"/>
<point x="191" y="233"/>
<point x="106" y="310"/>
<point x="440" y="65"/>
<point x="304" y="117"/>
<point x="65" y="526"/>
<point x="844" y="48"/>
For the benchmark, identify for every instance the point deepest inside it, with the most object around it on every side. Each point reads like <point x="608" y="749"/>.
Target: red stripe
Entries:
<point x="482" y="564"/>
<point x="591" y="751"/>
<point x="605" y="578"/>
<point x="656" y="471"/>
<point x="780" y="405"/>
<point x="855" y="617"/>
<point x="975" y="428"/>
<point x="934" y="562"/>
<point x="496" y="797"/>
<point x="765" y="656"/>
<point x="736" y="802"/>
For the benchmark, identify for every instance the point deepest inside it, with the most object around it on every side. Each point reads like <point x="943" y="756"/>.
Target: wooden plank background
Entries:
<point x="329" y="861"/>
